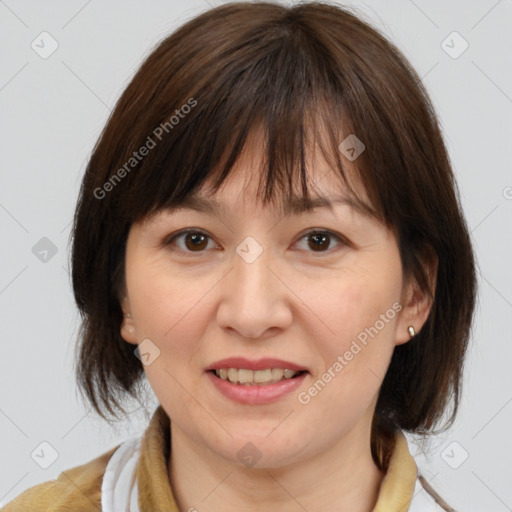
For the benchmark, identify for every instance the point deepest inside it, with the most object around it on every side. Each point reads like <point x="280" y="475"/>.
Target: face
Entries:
<point x="222" y="311"/>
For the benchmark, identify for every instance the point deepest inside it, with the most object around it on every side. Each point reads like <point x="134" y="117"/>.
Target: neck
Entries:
<point x="343" y="478"/>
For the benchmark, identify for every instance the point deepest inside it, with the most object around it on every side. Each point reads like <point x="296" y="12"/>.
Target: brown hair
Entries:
<point x="296" y="71"/>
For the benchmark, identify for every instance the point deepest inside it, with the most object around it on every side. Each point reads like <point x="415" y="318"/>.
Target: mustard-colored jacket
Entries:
<point x="80" y="489"/>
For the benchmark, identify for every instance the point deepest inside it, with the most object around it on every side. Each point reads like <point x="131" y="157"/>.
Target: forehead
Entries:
<point x="244" y="183"/>
<point x="288" y="206"/>
<point x="251" y="182"/>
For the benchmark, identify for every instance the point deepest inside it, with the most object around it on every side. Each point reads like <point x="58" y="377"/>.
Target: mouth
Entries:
<point x="247" y="377"/>
<point x="260" y="382"/>
<point x="256" y="382"/>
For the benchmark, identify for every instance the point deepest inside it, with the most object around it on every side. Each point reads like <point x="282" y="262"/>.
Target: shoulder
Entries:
<point x="426" y="499"/>
<point x="77" y="489"/>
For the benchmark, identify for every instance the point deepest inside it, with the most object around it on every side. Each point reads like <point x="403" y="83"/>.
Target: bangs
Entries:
<point x="280" y="89"/>
<point x="282" y="166"/>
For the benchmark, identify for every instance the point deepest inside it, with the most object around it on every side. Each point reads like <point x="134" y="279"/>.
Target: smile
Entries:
<point x="255" y="377"/>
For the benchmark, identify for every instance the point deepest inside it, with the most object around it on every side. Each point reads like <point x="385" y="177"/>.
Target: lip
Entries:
<point x="259" y="364"/>
<point x="255" y="395"/>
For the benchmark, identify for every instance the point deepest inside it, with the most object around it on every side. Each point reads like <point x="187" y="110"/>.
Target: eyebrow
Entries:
<point x="295" y="206"/>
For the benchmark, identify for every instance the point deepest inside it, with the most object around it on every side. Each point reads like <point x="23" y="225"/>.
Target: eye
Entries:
<point x="319" y="240"/>
<point x="195" y="240"/>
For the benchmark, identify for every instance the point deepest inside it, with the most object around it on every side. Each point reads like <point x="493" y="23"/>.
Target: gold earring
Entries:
<point x="411" y="330"/>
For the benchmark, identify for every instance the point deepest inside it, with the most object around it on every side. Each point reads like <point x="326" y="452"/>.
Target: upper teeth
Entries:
<point x="242" y="376"/>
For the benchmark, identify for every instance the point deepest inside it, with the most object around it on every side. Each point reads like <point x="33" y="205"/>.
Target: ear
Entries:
<point x="416" y="304"/>
<point x="128" y="331"/>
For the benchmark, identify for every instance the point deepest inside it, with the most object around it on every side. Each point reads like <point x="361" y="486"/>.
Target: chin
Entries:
<point x="261" y="450"/>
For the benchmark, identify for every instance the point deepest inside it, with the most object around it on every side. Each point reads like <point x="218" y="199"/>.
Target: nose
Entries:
<point x="255" y="299"/>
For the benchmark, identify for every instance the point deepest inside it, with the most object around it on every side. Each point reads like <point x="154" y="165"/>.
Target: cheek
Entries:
<point x="356" y="300"/>
<point x="167" y="304"/>
<point x="359" y="313"/>
<point x="170" y="309"/>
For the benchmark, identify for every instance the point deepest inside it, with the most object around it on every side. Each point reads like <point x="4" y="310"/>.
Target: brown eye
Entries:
<point x="319" y="241"/>
<point x="194" y="240"/>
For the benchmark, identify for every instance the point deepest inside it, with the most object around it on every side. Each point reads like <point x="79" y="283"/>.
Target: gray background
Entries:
<point x="52" y="110"/>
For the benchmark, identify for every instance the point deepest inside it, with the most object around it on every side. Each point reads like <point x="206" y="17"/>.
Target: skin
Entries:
<point x="294" y="303"/>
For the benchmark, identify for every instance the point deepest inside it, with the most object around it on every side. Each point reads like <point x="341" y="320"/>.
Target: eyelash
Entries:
<point x="170" y="239"/>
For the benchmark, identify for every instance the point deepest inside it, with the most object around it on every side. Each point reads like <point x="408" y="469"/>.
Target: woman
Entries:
<point x="269" y="231"/>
